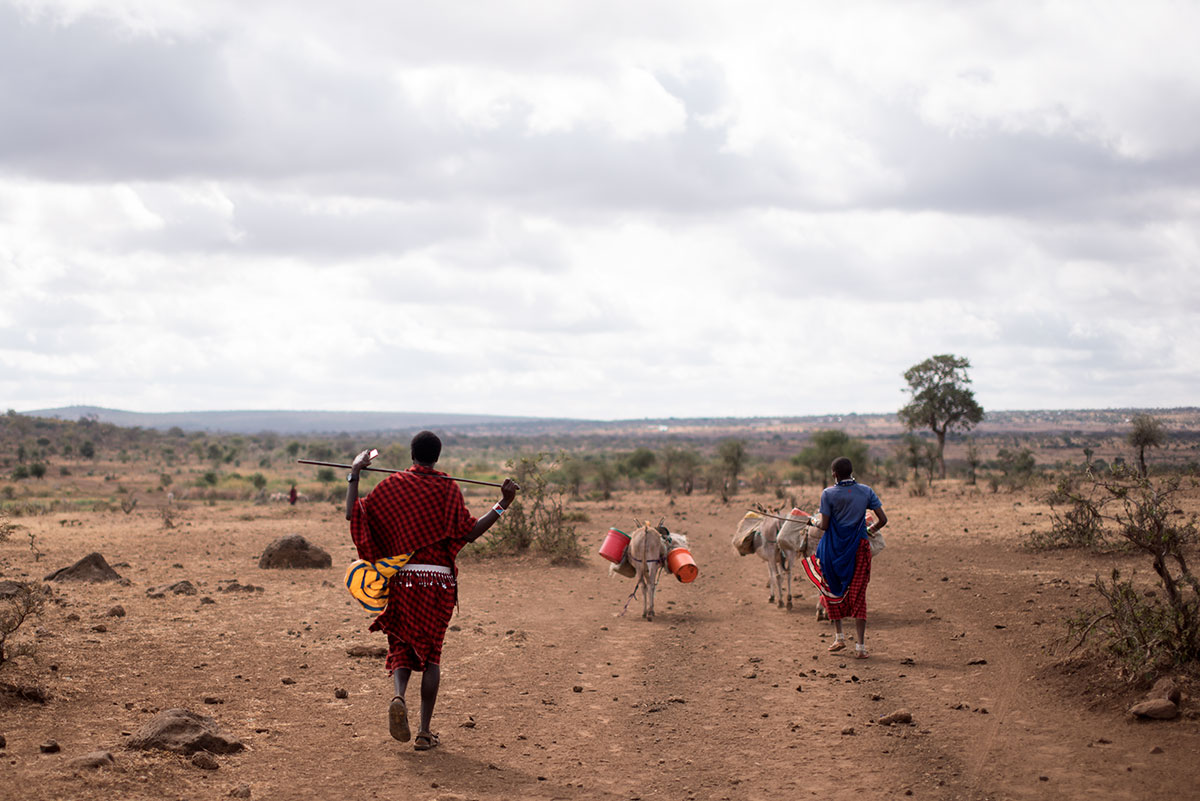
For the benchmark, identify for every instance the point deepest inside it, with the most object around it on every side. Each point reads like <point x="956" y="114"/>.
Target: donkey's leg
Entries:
<point x="650" y="588"/>
<point x="788" y="570"/>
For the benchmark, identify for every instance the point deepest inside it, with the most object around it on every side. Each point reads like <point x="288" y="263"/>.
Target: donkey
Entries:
<point x="647" y="552"/>
<point x="779" y="543"/>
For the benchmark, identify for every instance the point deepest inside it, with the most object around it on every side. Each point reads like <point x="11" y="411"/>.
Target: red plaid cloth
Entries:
<point x="425" y="516"/>
<point x="854" y="602"/>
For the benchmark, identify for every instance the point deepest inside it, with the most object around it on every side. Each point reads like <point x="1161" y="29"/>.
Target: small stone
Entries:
<point x="96" y="759"/>
<point x="116" y="611"/>
<point x="377" y="651"/>
<point x="340" y="692"/>
<point x="1156" y="750"/>
<point x="577" y="689"/>
<point x="241" y="791"/>
<point x="1043" y="778"/>
<point x="899" y="716"/>
<point x="977" y="662"/>
<point x="205" y="761"/>
<point x="3" y="741"/>
<point x="100" y="627"/>
<point x="212" y="699"/>
<point x="1155" y="709"/>
<point x="288" y="680"/>
<point x="848" y="731"/>
<point x="72" y="617"/>
<point x="469" y="723"/>
<point x="1166" y="688"/>
<point x="204" y="602"/>
<point x="50" y="747"/>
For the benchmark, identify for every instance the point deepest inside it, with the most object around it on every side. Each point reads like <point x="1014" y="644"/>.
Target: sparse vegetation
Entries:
<point x="536" y="519"/>
<point x="1146" y="630"/>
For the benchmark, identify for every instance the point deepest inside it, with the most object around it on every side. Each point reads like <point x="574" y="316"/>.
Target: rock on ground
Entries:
<point x="205" y="761"/>
<point x="1166" y="687"/>
<point x="1155" y="709"/>
<point x="899" y="716"/>
<point x="293" y="551"/>
<point x="184" y="587"/>
<point x="377" y="651"/>
<point x="92" y="567"/>
<point x="96" y="759"/>
<point x="183" y="732"/>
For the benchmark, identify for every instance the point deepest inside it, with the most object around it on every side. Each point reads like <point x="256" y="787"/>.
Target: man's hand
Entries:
<point x="508" y="491"/>
<point x="363" y="460"/>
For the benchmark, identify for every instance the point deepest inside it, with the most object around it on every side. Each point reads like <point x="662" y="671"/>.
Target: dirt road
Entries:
<point x="548" y="693"/>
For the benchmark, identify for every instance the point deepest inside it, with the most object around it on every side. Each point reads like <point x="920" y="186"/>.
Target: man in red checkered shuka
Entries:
<point x="420" y="512"/>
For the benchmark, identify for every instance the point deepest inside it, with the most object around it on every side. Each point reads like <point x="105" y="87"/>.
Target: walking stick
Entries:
<point x="777" y="517"/>
<point x="387" y="470"/>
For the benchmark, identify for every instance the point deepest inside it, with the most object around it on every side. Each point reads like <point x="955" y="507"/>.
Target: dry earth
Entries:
<point x="549" y="693"/>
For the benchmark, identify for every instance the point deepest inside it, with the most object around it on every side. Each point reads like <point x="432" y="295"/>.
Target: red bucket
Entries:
<point x="680" y="562"/>
<point x="614" y="545"/>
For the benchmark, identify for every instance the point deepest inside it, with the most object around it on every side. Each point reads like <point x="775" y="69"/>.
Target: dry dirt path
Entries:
<point x="721" y="697"/>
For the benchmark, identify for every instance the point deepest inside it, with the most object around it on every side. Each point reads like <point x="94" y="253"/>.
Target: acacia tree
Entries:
<point x="731" y="454"/>
<point x="825" y="446"/>
<point x="1147" y="433"/>
<point x="941" y="400"/>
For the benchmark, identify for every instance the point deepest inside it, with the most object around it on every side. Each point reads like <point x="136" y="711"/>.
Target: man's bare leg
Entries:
<point x="430" y="681"/>
<point x="398" y="710"/>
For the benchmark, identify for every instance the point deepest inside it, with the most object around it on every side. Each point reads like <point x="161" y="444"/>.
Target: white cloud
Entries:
<point x="601" y="210"/>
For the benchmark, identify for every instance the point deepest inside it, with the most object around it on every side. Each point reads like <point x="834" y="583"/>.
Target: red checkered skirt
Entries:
<point x="854" y="602"/>
<point x="418" y="612"/>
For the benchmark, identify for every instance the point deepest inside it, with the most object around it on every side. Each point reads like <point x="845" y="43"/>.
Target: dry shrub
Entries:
<point x="536" y="519"/>
<point x="1147" y="631"/>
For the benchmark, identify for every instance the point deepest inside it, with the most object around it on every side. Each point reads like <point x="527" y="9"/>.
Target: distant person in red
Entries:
<point x="418" y="512"/>
<point x="293" y="495"/>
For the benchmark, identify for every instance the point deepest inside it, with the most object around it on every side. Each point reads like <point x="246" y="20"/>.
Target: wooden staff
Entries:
<point x="386" y="470"/>
<point x="777" y="517"/>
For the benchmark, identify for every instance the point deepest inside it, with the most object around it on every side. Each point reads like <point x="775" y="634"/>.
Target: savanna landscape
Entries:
<point x="995" y="672"/>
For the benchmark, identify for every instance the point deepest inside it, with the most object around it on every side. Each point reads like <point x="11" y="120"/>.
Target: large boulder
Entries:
<point x="293" y="551"/>
<point x="183" y="732"/>
<point x="92" y="567"/>
<point x="1155" y="709"/>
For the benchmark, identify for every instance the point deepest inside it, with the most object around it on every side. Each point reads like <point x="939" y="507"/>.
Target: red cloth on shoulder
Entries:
<point x="409" y="511"/>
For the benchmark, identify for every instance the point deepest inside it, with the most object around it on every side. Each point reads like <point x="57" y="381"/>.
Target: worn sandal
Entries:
<point x="861" y="653"/>
<point x="837" y="645"/>
<point x="425" y="741"/>
<point x="398" y="720"/>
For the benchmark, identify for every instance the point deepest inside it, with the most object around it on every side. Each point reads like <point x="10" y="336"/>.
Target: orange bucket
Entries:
<point x="613" y="548"/>
<point x="680" y="562"/>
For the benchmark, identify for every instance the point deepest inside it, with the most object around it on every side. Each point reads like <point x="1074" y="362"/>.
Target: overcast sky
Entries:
<point x="596" y="209"/>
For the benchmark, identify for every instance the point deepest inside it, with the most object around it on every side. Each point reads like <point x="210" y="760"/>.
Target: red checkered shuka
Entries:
<point x="426" y="516"/>
<point x="854" y="602"/>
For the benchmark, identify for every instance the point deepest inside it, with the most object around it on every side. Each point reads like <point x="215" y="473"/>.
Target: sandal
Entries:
<point x="398" y="720"/>
<point x="861" y="653"/>
<point x="837" y="645"/>
<point x="425" y="741"/>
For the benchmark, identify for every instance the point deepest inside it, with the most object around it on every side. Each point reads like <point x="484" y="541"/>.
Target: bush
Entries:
<point x="1075" y="520"/>
<point x="15" y="611"/>
<point x="1144" y="631"/>
<point x="20" y="472"/>
<point x="536" y="519"/>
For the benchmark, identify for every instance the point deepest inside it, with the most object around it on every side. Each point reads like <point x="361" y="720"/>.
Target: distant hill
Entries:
<point x="1177" y="420"/>
<point x="284" y="422"/>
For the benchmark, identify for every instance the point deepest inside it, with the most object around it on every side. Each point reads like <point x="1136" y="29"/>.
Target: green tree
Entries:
<point x="731" y="454"/>
<point x="1147" y="432"/>
<point x="973" y="459"/>
<point x="87" y="450"/>
<point x="825" y="446"/>
<point x="37" y="470"/>
<point x="941" y="400"/>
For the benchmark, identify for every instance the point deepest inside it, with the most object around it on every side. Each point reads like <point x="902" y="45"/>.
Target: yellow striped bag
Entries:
<point x="368" y="581"/>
